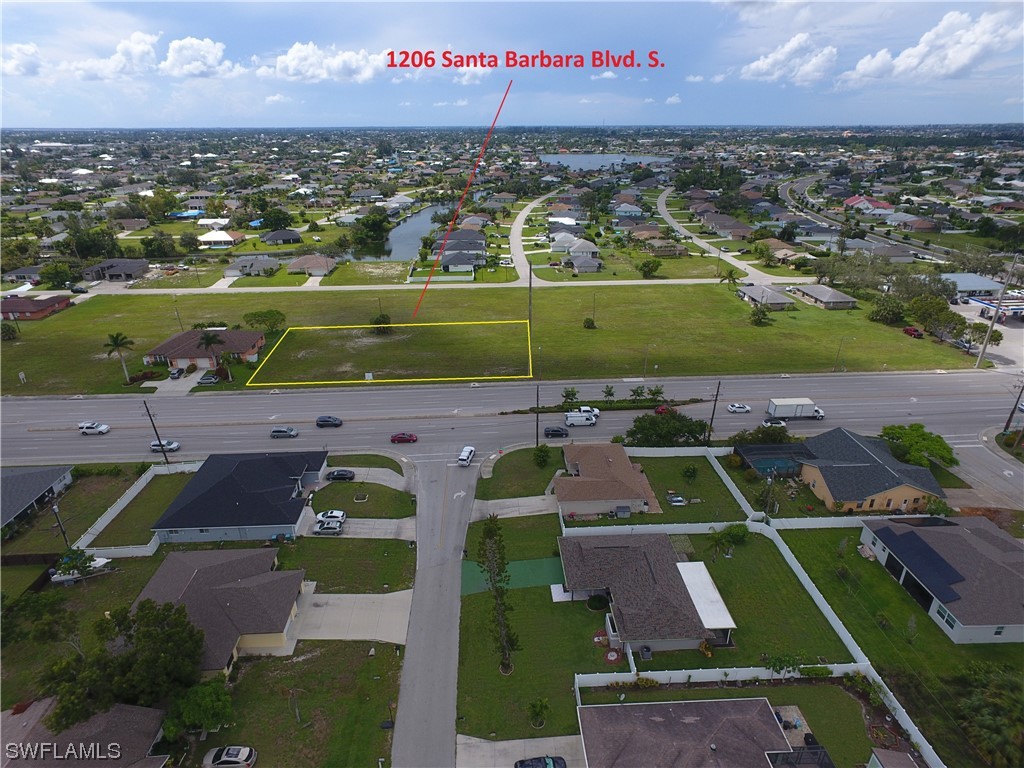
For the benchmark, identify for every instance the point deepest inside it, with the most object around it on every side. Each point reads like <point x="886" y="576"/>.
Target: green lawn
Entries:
<point x="365" y="460"/>
<point x="132" y="525"/>
<point x="64" y="354"/>
<point x="516" y="475"/>
<point x="526" y="538"/>
<point x="381" y="501"/>
<point x="15" y="579"/>
<point x="359" y="566"/>
<point x="367" y="273"/>
<point x="321" y="706"/>
<point x="918" y="672"/>
<point x="946" y="478"/>
<point x="279" y="279"/>
<point x="831" y="713"/>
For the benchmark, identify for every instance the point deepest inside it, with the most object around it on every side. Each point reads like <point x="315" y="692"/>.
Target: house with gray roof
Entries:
<point x="116" y="270"/>
<point x="764" y="296"/>
<point x="24" y="490"/>
<point x="251" y="265"/>
<point x="243" y="497"/>
<point x="853" y="473"/>
<point x="312" y="264"/>
<point x="965" y="572"/>
<point x="970" y="284"/>
<point x="658" y="601"/>
<point x="824" y="296"/>
<point x="281" y="237"/>
<point x="242" y="604"/>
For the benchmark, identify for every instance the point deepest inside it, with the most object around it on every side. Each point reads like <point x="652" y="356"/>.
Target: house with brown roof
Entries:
<point x="313" y="264"/>
<point x="599" y="479"/>
<point x="658" y="601"/>
<point x="965" y="572"/>
<point x="20" y="308"/>
<point x="236" y="596"/>
<point x="183" y="349"/>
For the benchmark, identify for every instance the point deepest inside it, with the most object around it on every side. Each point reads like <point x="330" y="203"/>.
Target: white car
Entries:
<point x="332" y="514"/>
<point x="93" y="428"/>
<point x="158" y="446"/>
<point x="738" y="408"/>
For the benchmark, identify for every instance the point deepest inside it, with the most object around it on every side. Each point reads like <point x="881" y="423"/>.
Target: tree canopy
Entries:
<point x="913" y="444"/>
<point x="665" y="430"/>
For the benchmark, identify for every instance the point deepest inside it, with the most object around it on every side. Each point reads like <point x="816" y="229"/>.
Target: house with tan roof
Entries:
<point x="313" y="264"/>
<point x="600" y="479"/>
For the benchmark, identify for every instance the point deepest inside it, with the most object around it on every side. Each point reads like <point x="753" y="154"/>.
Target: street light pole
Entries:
<point x="839" y="351"/>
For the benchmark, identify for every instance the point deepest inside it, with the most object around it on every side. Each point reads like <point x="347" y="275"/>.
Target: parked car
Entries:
<point x="328" y="421"/>
<point x="208" y="378"/>
<point x="554" y="263"/>
<point x="738" y="408"/>
<point x="675" y="500"/>
<point x="223" y="757"/>
<point x="337" y="515"/>
<point x="79" y="289"/>
<point x="93" y="428"/>
<point x="176" y="373"/>
<point x="541" y="762"/>
<point x="773" y="423"/>
<point x="404" y="437"/>
<point x="341" y="474"/>
<point x="663" y="409"/>
<point x="327" y="528"/>
<point x="158" y="446"/>
<point x="556" y="432"/>
<point x="911" y="331"/>
<point x="284" y="432"/>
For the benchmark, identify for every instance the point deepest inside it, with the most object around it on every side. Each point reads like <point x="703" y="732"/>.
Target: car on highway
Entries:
<point x="159" y="446"/>
<point x="327" y="528"/>
<point x="332" y="514"/>
<point x="773" y="423"/>
<point x="541" y="762"/>
<point x="341" y="474"/>
<point x="93" y="428"/>
<point x="912" y="331"/>
<point x="556" y="432"/>
<point x="738" y="408"/>
<point x="208" y="378"/>
<point x="663" y="409"/>
<point x="284" y="432"/>
<point x="230" y="757"/>
<point x="328" y="421"/>
<point x="404" y="437"/>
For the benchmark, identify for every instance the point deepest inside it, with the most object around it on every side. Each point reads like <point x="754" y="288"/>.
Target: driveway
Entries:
<point x="481" y="753"/>
<point x="384" y="618"/>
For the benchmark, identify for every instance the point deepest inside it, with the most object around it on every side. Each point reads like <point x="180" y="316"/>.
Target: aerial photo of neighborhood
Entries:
<point x="512" y="385"/>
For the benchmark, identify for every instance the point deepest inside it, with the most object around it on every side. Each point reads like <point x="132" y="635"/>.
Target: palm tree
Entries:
<point x="731" y="276"/>
<point x="117" y="343"/>
<point x="208" y="340"/>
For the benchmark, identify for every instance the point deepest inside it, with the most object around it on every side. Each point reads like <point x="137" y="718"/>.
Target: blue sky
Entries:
<point x="325" y="64"/>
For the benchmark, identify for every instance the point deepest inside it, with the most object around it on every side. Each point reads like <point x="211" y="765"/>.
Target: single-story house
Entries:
<point x="212" y="223"/>
<point x="251" y="265"/>
<point x="562" y="241"/>
<point x="22" y="275"/>
<point x="243" y="497"/>
<point x="25" y="489"/>
<point x="583" y="263"/>
<point x="313" y="264"/>
<point x="20" y="308"/>
<point x="970" y="284"/>
<point x="657" y="600"/>
<point x="965" y="572"/>
<point x="672" y="734"/>
<point x="221" y="238"/>
<point x="131" y="225"/>
<point x="117" y="270"/>
<point x="765" y="296"/>
<point x="236" y="596"/>
<point x="826" y="297"/>
<point x="183" y="349"/>
<point x="281" y="237"/>
<point x="121" y="737"/>
<point x="503" y="198"/>
<point x="660" y="247"/>
<point x="628" y="210"/>
<point x="861" y="475"/>
<point x="462" y="261"/>
<point x="600" y="478"/>
<point x="582" y="247"/>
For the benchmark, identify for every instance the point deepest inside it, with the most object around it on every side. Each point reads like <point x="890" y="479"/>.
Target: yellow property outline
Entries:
<point x="529" y="355"/>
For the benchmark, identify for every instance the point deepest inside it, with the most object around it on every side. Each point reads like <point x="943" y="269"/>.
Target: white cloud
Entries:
<point x="20" y="59"/>
<point x="192" y="57"/>
<point x="277" y="98"/>
<point x="606" y="75"/>
<point x="471" y="75"/>
<point x="798" y="60"/>
<point x="405" y="103"/>
<point x="673" y="99"/>
<point x="949" y="49"/>
<point x="648" y="101"/>
<point x="311" y="64"/>
<point x="719" y="77"/>
<point x="695" y="78"/>
<point x="585" y="100"/>
<point x="457" y="103"/>
<point x="132" y="56"/>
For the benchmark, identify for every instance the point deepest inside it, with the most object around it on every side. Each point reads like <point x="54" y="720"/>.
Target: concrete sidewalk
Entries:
<point x="382" y="617"/>
<point x="519" y="507"/>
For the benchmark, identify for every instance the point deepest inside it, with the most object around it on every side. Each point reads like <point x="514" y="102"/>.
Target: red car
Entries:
<point x="404" y="437"/>
<point x="911" y="331"/>
<point x="661" y="409"/>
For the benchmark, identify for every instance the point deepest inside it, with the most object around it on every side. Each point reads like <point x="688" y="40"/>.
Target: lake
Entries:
<point x="403" y="242"/>
<point x="593" y="162"/>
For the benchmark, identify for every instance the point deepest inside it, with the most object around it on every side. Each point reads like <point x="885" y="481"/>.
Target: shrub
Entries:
<point x="589" y="324"/>
<point x="882" y="620"/>
<point x="646" y="682"/>
<point x="734" y="461"/>
<point x="597" y="602"/>
<point x="541" y="455"/>
<point x="192" y="368"/>
<point x="751" y="475"/>
<point x="815" y="671"/>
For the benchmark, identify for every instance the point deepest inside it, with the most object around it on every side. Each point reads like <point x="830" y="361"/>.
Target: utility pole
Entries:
<point x="536" y="428"/>
<point x="163" y="450"/>
<point x="60" y="524"/>
<point x="996" y="311"/>
<point x="1013" y="411"/>
<point x="714" y="407"/>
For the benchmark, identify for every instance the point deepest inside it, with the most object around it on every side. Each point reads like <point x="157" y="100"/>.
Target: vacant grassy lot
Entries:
<point x="365" y="460"/>
<point x="281" y="278"/>
<point x="516" y="475"/>
<point x="133" y="523"/>
<point x="356" y="566"/>
<point x="832" y="714"/>
<point x="367" y="273"/>
<point x="381" y="501"/>
<point x="407" y="352"/>
<point x="526" y="538"/>
<point x="917" y="671"/>
<point x="698" y="328"/>
<point x="192" y="278"/>
<point x="321" y="706"/>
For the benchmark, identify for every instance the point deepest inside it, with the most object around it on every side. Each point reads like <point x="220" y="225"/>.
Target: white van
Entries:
<point x="466" y="457"/>
<point x="577" y="419"/>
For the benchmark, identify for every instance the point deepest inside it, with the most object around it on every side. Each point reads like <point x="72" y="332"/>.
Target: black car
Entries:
<point x="541" y="762"/>
<point x="328" y="421"/>
<point x="341" y="474"/>
<point x="79" y="289"/>
<point x="556" y="432"/>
